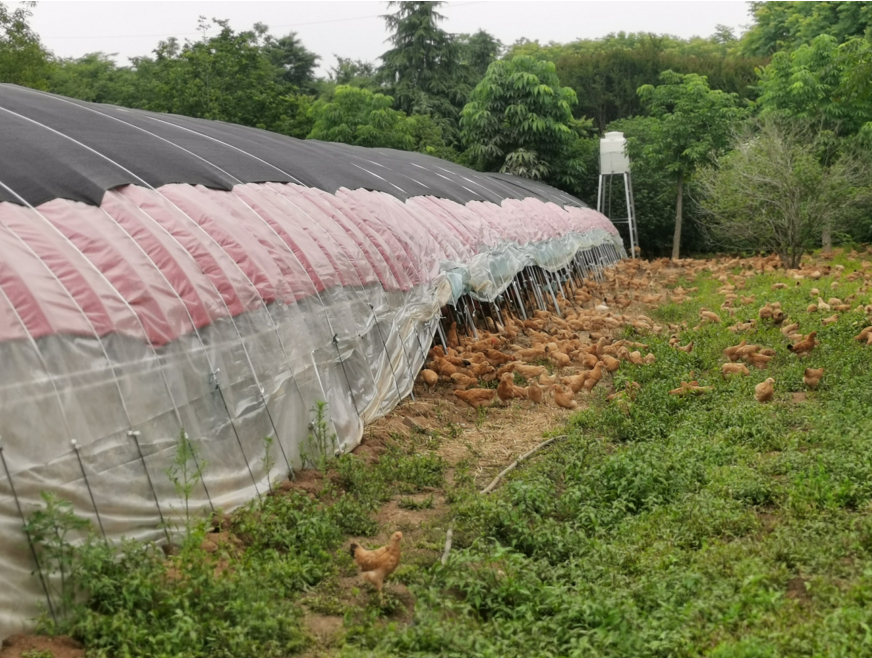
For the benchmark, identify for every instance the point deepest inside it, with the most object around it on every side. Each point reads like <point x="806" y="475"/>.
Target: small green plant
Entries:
<point x="412" y="504"/>
<point x="480" y="416"/>
<point x="50" y="530"/>
<point x="321" y="443"/>
<point x="185" y="472"/>
<point x="267" y="461"/>
<point x="34" y="653"/>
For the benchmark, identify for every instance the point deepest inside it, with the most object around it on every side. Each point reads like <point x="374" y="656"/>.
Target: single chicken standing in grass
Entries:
<point x="764" y="390"/>
<point x="378" y="564"/>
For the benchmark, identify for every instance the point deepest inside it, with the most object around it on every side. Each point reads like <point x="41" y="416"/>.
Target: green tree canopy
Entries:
<point x="693" y="124"/>
<point x="477" y="51"/>
<point x="519" y="120"/>
<point x="354" y="72"/>
<point x="23" y="59"/>
<point x="823" y="82"/>
<point x="228" y="77"/>
<point x="423" y="69"/>
<point x="605" y="73"/>
<point x="289" y="55"/>
<point x="363" y="118"/>
<point x="788" y="25"/>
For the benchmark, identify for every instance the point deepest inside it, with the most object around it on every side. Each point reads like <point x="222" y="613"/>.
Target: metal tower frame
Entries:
<point x="630" y="220"/>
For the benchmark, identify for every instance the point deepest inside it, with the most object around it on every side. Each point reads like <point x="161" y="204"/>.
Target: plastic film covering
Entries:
<point x="221" y="280"/>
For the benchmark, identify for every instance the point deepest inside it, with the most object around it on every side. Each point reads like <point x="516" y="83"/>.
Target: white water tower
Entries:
<point x="614" y="161"/>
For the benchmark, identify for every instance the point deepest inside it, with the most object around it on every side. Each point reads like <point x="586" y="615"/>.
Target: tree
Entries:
<point x="828" y="85"/>
<point x="93" y="77"/>
<point x="23" y="60"/>
<point x="423" y="70"/>
<point x="519" y="120"/>
<point x="823" y="82"/>
<point x="772" y="191"/>
<point x="787" y="25"/>
<point x="295" y="61"/>
<point x="227" y="77"/>
<point x="693" y="125"/>
<point x="605" y="73"/>
<point x="358" y="116"/>
<point x="477" y="52"/>
<point x="354" y="72"/>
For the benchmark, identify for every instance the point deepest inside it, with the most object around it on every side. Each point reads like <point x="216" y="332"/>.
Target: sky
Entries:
<point x="355" y="29"/>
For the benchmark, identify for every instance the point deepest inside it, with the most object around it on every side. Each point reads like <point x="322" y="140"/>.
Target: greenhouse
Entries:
<point x="162" y="275"/>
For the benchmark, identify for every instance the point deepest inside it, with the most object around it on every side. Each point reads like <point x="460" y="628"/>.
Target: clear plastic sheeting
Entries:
<point x="229" y="313"/>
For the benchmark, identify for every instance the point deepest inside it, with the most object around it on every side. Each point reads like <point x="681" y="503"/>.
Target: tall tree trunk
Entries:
<point x="676" y="240"/>
<point x="827" y="237"/>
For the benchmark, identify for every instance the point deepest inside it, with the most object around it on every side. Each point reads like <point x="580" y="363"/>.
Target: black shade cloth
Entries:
<point x="55" y="147"/>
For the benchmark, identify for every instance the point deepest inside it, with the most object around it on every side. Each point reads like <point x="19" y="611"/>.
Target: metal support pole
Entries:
<point x="213" y="378"/>
<point x="133" y="434"/>
<point x="470" y="318"/>
<point x="533" y="286"/>
<point x="390" y="362"/>
<point x="549" y="282"/>
<point x="29" y="538"/>
<point x="344" y="371"/>
<point x="441" y="332"/>
<point x="281" y="448"/>
<point x="599" y="194"/>
<point x="88" y="486"/>
<point x="518" y="296"/>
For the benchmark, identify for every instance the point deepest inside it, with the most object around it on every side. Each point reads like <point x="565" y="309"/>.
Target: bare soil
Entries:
<point x="16" y="646"/>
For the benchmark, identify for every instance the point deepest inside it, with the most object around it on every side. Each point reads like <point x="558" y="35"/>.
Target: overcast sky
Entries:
<point x="355" y="29"/>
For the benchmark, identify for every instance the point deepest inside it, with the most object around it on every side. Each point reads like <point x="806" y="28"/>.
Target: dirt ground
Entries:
<point x="37" y="646"/>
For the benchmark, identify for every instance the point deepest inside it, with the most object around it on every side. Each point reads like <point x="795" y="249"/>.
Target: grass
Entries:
<point x="706" y="525"/>
<point x="684" y="526"/>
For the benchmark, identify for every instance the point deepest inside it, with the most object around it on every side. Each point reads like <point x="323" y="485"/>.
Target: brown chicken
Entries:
<point x="575" y="382"/>
<point x="562" y="398"/>
<point x="812" y="377"/>
<point x="611" y="363"/>
<point x="732" y="353"/>
<point x="690" y="387"/>
<point x="507" y="391"/>
<point x="545" y="380"/>
<point x="805" y="346"/>
<point x="497" y="358"/>
<point x="451" y="336"/>
<point x="380" y="563"/>
<point x="789" y="329"/>
<point x="530" y="354"/>
<point x="593" y="377"/>
<point x="462" y="381"/>
<point x="429" y="378"/>
<point x="528" y="372"/>
<point x="735" y="369"/>
<point x="685" y="348"/>
<point x="559" y="359"/>
<point x="477" y="397"/>
<point x="443" y="367"/>
<point x="764" y="390"/>
<point x="863" y="336"/>
<point x="535" y="393"/>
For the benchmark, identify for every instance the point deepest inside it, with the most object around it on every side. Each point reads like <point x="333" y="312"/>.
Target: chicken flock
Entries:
<point x="561" y="356"/>
<point x="576" y="345"/>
